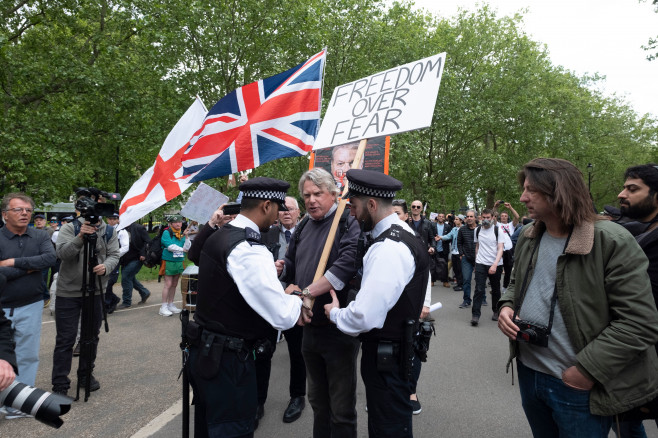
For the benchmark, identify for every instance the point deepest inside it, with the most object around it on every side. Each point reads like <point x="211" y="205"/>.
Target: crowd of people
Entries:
<point x="574" y="291"/>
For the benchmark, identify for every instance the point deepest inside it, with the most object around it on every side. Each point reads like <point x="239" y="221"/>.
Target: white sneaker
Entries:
<point x="164" y="310"/>
<point x="12" y="414"/>
<point x="173" y="309"/>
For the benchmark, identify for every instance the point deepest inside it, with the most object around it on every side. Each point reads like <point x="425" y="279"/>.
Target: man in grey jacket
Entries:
<point x="68" y="307"/>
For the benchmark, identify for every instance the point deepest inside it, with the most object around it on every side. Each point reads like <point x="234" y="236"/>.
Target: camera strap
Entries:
<point x="524" y="286"/>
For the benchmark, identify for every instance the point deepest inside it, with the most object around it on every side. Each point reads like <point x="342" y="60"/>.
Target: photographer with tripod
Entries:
<point x="89" y="254"/>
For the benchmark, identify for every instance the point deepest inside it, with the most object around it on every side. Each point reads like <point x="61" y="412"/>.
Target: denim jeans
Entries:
<point x="110" y="297"/>
<point x="553" y="409"/>
<point x="330" y="358"/>
<point x="481" y="275"/>
<point x="26" y="323"/>
<point x="467" y="274"/>
<point x="630" y="429"/>
<point x="128" y="281"/>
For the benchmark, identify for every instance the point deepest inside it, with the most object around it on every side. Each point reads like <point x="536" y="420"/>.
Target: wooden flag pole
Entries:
<point x="319" y="272"/>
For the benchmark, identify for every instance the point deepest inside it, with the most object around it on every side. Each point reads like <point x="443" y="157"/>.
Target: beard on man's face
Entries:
<point x="366" y="222"/>
<point x="640" y="210"/>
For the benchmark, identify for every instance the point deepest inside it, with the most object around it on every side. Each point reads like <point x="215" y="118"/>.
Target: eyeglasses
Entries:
<point x="416" y="207"/>
<point x="20" y="210"/>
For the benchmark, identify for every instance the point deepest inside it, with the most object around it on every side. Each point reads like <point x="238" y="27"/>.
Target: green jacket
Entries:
<point x="606" y="302"/>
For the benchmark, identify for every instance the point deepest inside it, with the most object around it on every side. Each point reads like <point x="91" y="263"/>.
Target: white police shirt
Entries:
<point x="387" y="269"/>
<point x="252" y="268"/>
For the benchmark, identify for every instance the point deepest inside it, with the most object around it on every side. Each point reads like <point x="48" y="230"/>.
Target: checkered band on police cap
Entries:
<point x="368" y="191"/>
<point x="265" y="194"/>
<point x="363" y="182"/>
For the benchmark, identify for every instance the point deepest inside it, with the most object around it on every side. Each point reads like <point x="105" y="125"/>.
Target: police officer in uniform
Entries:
<point x="386" y="309"/>
<point x="239" y="300"/>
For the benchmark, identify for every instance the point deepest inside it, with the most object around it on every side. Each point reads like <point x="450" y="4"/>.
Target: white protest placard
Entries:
<point x="396" y="100"/>
<point x="433" y="216"/>
<point x="203" y="203"/>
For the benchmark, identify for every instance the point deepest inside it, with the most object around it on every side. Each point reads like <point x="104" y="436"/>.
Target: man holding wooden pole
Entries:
<point x="329" y="354"/>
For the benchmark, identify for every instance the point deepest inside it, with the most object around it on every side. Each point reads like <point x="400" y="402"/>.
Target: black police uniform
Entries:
<point x="387" y="353"/>
<point x="226" y="328"/>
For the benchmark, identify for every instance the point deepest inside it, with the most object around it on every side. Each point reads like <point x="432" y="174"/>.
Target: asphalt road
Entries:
<point x="463" y="388"/>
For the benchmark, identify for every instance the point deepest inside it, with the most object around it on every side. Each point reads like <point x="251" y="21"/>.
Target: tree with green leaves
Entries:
<point x="93" y="106"/>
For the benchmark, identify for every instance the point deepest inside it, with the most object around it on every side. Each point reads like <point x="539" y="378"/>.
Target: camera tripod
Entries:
<point x="88" y="314"/>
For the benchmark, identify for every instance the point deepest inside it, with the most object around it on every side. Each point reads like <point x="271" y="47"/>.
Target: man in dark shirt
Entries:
<point x="330" y="355"/>
<point x="24" y="253"/>
<point x="426" y="231"/>
<point x="638" y="201"/>
<point x="132" y="262"/>
<point x="442" y="250"/>
<point x="466" y="246"/>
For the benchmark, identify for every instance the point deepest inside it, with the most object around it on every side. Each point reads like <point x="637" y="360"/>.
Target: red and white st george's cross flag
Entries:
<point x="161" y="183"/>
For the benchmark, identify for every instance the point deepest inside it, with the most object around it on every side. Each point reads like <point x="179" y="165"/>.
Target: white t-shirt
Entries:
<point x="507" y="229"/>
<point x="508" y="226"/>
<point x="488" y="248"/>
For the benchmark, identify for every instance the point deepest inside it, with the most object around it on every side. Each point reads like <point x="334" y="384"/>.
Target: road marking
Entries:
<point x="161" y="420"/>
<point x="135" y="307"/>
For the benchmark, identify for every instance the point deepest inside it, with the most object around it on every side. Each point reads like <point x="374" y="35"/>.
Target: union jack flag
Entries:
<point x="268" y="119"/>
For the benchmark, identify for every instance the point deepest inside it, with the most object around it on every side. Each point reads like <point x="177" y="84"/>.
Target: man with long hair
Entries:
<point x="578" y="311"/>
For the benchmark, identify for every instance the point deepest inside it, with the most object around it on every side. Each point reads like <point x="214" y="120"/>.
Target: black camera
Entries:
<point x="263" y="348"/>
<point x="88" y="205"/>
<point x="44" y="406"/>
<point x="422" y="339"/>
<point x="532" y="333"/>
<point x="231" y="208"/>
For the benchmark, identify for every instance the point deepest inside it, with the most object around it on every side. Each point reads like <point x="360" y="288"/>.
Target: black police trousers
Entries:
<point x="224" y="406"/>
<point x="387" y="398"/>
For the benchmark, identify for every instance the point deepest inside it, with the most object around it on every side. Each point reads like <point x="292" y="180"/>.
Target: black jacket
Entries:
<point x="426" y="230"/>
<point x="139" y="237"/>
<point x="466" y="243"/>
<point x="6" y="342"/>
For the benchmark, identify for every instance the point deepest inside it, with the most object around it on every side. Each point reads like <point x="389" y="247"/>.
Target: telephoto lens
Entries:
<point x="44" y="406"/>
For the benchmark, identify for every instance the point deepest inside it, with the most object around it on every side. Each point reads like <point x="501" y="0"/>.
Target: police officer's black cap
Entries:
<point x="361" y="182"/>
<point x="68" y="218"/>
<point x="39" y="216"/>
<point x="114" y="215"/>
<point x="266" y="188"/>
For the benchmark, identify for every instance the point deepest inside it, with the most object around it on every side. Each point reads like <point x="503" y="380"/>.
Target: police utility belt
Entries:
<point x="395" y="356"/>
<point x="212" y="344"/>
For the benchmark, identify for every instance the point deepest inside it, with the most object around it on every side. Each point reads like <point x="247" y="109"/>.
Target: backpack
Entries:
<point x="153" y="256"/>
<point x="477" y="231"/>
